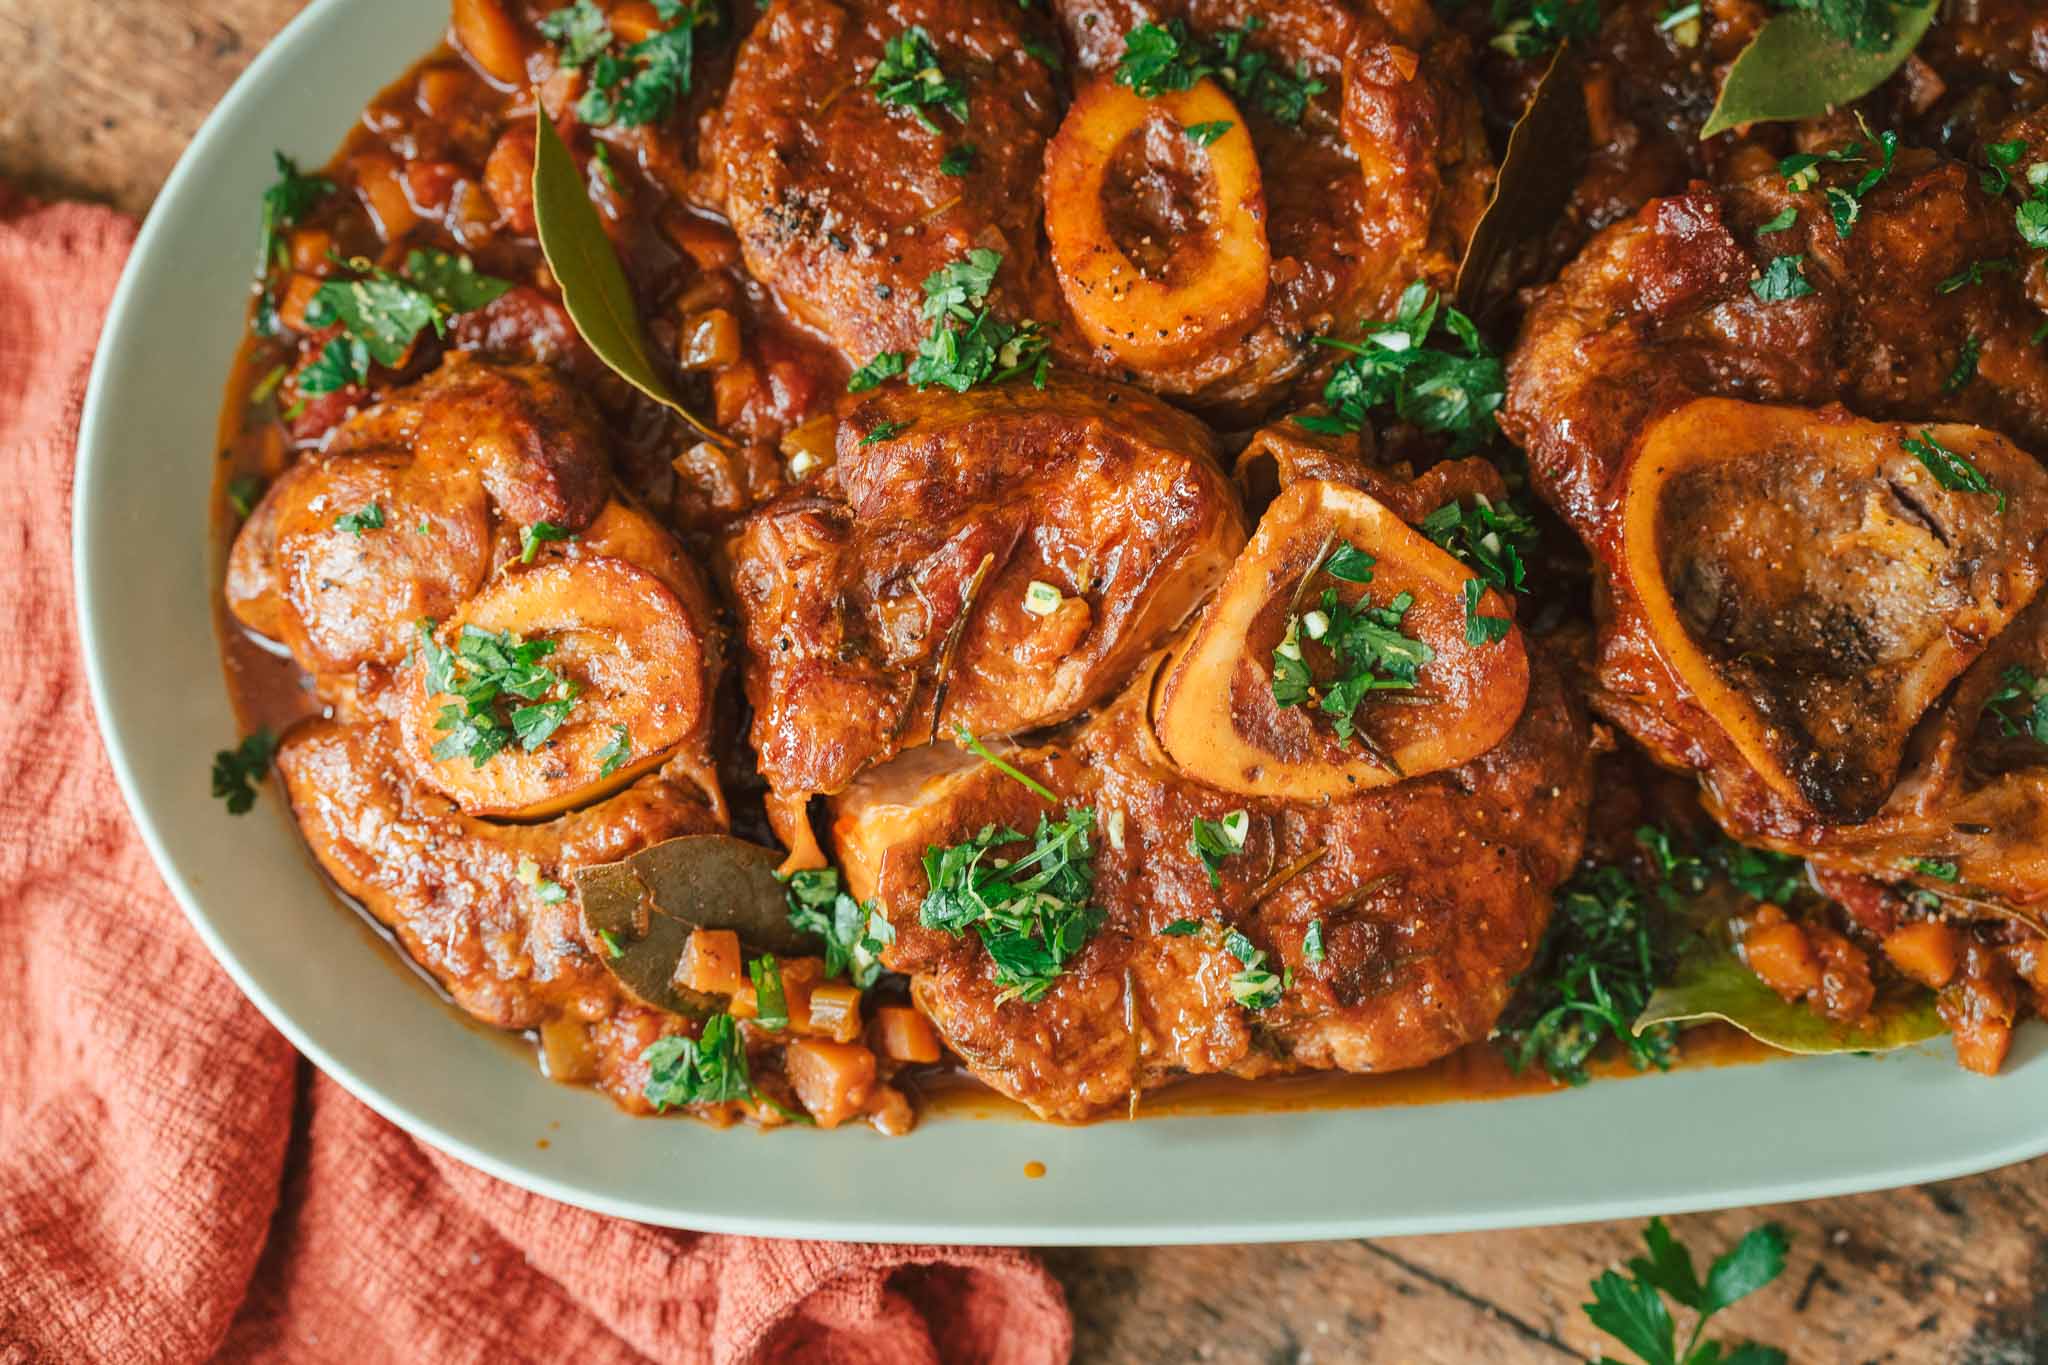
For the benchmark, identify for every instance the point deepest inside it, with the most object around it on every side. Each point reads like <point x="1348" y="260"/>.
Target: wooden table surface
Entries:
<point x="105" y="98"/>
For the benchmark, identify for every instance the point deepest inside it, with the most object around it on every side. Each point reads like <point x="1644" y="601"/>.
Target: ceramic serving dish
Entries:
<point x="1694" y="1139"/>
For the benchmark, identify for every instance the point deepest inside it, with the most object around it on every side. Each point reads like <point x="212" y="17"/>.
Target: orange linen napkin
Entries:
<point x="176" y="1185"/>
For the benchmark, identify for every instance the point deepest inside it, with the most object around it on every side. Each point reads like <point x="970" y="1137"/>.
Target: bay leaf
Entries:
<point x="1545" y="156"/>
<point x="1795" y="68"/>
<point x="646" y="906"/>
<point x="594" y="287"/>
<point x="1712" y="983"/>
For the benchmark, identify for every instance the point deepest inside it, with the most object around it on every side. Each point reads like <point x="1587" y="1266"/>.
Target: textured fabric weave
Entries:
<point x="176" y="1185"/>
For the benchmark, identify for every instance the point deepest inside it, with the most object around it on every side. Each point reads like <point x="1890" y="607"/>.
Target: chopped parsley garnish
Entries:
<point x="546" y="891"/>
<point x="1967" y="356"/>
<point x="370" y="518"/>
<point x="381" y="313"/>
<point x="1492" y="538"/>
<point x="1450" y="389"/>
<point x="1312" y="942"/>
<point x="644" y="83"/>
<point x="1214" y="841"/>
<point x="1975" y="272"/>
<point x="1845" y="206"/>
<point x="854" y="932"/>
<point x="1783" y="220"/>
<point x="530" y="538"/>
<point x="771" y="1006"/>
<point x="1950" y="469"/>
<point x="1530" y="28"/>
<point x="1632" y="1310"/>
<point x="1783" y="279"/>
<point x="1158" y="59"/>
<point x="909" y="77"/>
<point x="884" y="431"/>
<point x="1183" y="928"/>
<point x="490" y="674"/>
<point x="1863" y="24"/>
<point x="1999" y="159"/>
<point x="968" y="344"/>
<point x="1366" y="646"/>
<point x="2021" y="705"/>
<point x="707" y="1069"/>
<point x="1044" y="53"/>
<point x="1205" y="134"/>
<point x="612" y="947"/>
<point x="958" y="161"/>
<point x="290" y="198"/>
<point x="885" y="365"/>
<point x="243" y="491"/>
<point x="237" y="770"/>
<point x="1349" y="564"/>
<point x="1941" y="869"/>
<point x="613" y="756"/>
<point x="1256" y="987"/>
<point x="1031" y="914"/>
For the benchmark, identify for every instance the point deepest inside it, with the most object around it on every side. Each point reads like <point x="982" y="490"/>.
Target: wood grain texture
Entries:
<point x="105" y="96"/>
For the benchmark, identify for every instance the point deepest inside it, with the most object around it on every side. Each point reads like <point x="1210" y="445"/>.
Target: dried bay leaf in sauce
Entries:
<point x="646" y="906"/>
<point x="1546" y="154"/>
<point x="1712" y="983"/>
<point x="1795" y="68"/>
<point x="585" y="265"/>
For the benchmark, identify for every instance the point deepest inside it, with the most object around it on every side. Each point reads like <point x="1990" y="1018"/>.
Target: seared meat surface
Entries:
<point x="1432" y="895"/>
<point x="894" y="603"/>
<point x="842" y="202"/>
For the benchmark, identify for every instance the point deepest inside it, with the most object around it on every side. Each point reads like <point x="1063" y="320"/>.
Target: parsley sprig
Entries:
<point x="1494" y="539"/>
<point x="1366" y="649"/>
<point x="1631" y="1309"/>
<point x="1159" y="58"/>
<point x="707" y="1069"/>
<point x="381" y="313"/>
<point x="490" y="674"/>
<point x="1845" y="205"/>
<point x="909" y="77"/>
<point x="1453" y="389"/>
<point x="1032" y="914"/>
<point x="854" y="932"/>
<point x="288" y="200"/>
<point x="967" y="344"/>
<point x="644" y="83"/>
<point x="236" y="771"/>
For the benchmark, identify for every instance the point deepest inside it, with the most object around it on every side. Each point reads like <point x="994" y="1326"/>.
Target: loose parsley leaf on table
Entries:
<point x="1450" y="389"/>
<point x="237" y="770"/>
<point x="707" y="1069"/>
<point x="1032" y="913"/>
<point x="488" y="674"/>
<point x="855" y="932"/>
<point x="1633" y="1312"/>
<point x="909" y="77"/>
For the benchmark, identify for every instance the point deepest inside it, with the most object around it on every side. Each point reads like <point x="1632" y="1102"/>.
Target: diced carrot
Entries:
<point x="708" y="340"/>
<point x="745" y="1003"/>
<point x="904" y="1035"/>
<point x="711" y="962"/>
<point x="835" y="1011"/>
<point x="309" y="249"/>
<point x="1929" y="951"/>
<point x="635" y="22"/>
<point x="492" y="40"/>
<point x="711" y="246"/>
<point x="1980" y="1007"/>
<point x="1779" y="954"/>
<point x="298" y="296"/>
<point x="1981" y="1044"/>
<point x="382" y="185"/>
<point x="508" y="176"/>
<point x="440" y="89"/>
<point x="800" y="976"/>
<point x="832" y="1079"/>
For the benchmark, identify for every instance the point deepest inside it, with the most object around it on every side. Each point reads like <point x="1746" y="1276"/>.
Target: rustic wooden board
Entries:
<point x="105" y="96"/>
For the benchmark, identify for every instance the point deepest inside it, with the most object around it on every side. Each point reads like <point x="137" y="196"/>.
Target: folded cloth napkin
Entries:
<point x="175" y="1184"/>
